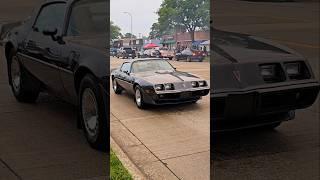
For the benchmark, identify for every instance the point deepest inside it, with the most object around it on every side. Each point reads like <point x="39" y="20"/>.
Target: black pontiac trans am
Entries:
<point x="155" y="81"/>
<point x="61" y="49"/>
<point x="255" y="82"/>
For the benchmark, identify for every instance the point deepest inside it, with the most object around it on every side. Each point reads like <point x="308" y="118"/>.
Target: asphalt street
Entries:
<point x="292" y="150"/>
<point x="41" y="141"/>
<point x="166" y="142"/>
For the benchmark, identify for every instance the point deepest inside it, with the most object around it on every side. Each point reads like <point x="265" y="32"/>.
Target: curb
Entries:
<point x="127" y="163"/>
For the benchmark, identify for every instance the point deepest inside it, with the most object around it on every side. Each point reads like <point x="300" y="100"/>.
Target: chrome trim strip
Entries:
<point x="45" y="63"/>
<point x="184" y="90"/>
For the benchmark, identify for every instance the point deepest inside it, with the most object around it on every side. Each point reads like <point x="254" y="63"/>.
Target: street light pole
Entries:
<point x="131" y="28"/>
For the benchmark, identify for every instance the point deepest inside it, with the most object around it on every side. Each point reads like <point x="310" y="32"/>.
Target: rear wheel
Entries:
<point x="93" y="113"/>
<point x="24" y="87"/>
<point x="116" y="88"/>
<point x="189" y="59"/>
<point x="170" y="58"/>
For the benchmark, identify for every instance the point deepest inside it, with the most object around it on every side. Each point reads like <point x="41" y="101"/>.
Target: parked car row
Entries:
<point x="186" y="54"/>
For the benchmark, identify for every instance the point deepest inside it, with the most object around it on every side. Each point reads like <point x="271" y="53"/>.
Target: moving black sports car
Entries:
<point x="55" y="51"/>
<point x="155" y="81"/>
<point x="256" y="82"/>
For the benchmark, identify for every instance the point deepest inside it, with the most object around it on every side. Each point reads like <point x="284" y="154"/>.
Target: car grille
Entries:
<point x="254" y="104"/>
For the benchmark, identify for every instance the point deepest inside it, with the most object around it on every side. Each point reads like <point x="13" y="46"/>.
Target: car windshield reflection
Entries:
<point x="151" y="65"/>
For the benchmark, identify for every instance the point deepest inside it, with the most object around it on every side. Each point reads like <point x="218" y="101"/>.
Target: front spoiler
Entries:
<point x="257" y="107"/>
<point x="175" y="98"/>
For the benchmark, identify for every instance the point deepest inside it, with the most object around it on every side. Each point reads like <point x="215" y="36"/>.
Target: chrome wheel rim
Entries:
<point x="138" y="97"/>
<point x="114" y="85"/>
<point x="90" y="112"/>
<point x="15" y="74"/>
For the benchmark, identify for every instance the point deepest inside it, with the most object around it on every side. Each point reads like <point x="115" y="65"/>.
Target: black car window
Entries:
<point x="51" y="16"/>
<point x="125" y="67"/>
<point x="88" y="17"/>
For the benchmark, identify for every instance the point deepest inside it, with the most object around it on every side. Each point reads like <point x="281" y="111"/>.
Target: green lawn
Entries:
<point x="117" y="171"/>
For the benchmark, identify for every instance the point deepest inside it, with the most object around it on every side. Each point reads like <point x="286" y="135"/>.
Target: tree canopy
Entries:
<point x="115" y="31"/>
<point x="189" y="14"/>
<point x="128" y="35"/>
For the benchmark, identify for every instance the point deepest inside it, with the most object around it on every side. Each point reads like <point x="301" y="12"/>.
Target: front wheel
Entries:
<point x="24" y="86"/>
<point x="93" y="113"/>
<point x="139" y="98"/>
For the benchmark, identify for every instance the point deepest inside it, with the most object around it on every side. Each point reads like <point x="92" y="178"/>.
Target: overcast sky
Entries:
<point x="143" y="12"/>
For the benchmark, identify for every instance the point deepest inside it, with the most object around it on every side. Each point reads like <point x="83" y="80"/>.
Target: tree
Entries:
<point x="155" y="31"/>
<point x="115" y="31"/>
<point x="190" y="14"/>
<point x="128" y="35"/>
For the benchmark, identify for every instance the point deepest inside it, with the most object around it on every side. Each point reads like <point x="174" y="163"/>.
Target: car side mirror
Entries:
<point x="50" y="31"/>
<point x="126" y="72"/>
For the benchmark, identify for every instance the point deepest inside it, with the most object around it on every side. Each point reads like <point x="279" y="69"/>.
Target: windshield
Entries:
<point x="151" y="65"/>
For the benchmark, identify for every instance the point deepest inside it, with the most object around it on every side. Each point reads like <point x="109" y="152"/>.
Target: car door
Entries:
<point x="124" y="76"/>
<point x="42" y="51"/>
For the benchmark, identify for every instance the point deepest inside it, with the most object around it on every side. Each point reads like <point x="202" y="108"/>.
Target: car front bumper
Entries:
<point x="175" y="97"/>
<point x="234" y="110"/>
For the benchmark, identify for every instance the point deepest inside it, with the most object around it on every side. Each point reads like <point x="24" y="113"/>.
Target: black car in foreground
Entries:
<point x="55" y="51"/>
<point x="256" y="82"/>
<point x="155" y="81"/>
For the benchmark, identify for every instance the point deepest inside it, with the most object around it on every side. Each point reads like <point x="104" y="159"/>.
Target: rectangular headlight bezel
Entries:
<point x="272" y="72"/>
<point x="303" y="72"/>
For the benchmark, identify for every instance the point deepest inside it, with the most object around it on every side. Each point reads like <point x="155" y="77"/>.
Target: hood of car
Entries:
<point x="231" y="47"/>
<point x="162" y="77"/>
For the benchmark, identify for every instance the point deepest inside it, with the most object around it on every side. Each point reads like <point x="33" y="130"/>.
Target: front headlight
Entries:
<point x="268" y="71"/>
<point x="202" y="83"/>
<point x="169" y="86"/>
<point x="292" y="69"/>
<point x="195" y="84"/>
<point x="159" y="87"/>
<point x="297" y="70"/>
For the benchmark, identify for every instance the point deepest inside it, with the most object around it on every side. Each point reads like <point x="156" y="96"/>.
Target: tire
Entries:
<point x="188" y="59"/>
<point x="170" y="58"/>
<point x="115" y="86"/>
<point x="92" y="113"/>
<point x="24" y="86"/>
<point x="140" y="103"/>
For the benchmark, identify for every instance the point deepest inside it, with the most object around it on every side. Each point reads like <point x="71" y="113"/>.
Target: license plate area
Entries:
<point x="240" y="106"/>
<point x="185" y="95"/>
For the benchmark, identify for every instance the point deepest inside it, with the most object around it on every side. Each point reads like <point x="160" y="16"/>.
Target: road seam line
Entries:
<point x="186" y="155"/>
<point x="10" y="169"/>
